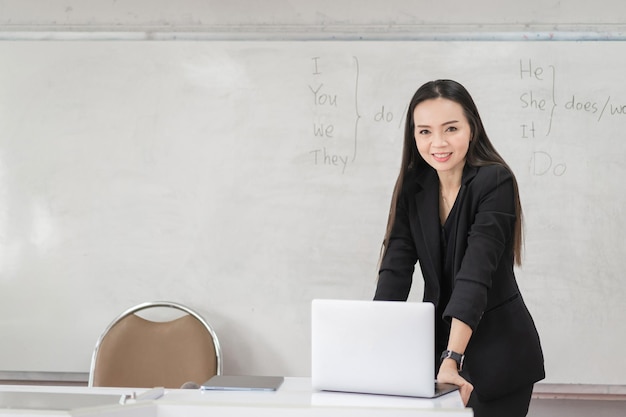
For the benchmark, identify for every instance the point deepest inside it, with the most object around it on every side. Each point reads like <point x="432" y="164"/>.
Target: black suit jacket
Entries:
<point x="485" y="294"/>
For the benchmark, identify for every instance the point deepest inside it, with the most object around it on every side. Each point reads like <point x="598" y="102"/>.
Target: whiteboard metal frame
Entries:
<point x="353" y="33"/>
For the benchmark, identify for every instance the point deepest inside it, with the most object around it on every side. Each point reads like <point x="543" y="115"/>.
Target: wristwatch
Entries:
<point x="457" y="357"/>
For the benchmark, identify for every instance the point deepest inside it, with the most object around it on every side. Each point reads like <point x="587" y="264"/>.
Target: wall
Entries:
<point x="327" y="16"/>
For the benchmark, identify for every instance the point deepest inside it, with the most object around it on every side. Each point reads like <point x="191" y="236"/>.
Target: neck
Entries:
<point x="450" y="180"/>
<point x="449" y="183"/>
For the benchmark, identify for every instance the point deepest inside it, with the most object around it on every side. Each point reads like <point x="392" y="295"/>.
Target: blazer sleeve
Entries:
<point x="398" y="263"/>
<point x="492" y="221"/>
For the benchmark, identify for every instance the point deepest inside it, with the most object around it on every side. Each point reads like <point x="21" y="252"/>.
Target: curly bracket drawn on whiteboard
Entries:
<point x="553" y="99"/>
<point x="356" y="108"/>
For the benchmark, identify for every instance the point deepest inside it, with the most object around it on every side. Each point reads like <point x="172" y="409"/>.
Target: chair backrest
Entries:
<point x="137" y="352"/>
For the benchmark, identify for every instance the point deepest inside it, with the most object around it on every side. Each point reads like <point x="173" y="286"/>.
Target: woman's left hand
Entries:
<point x="449" y="374"/>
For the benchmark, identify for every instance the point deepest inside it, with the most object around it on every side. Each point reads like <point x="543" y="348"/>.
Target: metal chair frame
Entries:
<point x="152" y="304"/>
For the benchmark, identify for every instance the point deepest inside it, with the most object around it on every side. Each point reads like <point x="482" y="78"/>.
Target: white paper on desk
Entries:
<point x="23" y="400"/>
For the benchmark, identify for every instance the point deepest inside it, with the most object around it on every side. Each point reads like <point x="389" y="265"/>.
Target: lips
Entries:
<point x="442" y="157"/>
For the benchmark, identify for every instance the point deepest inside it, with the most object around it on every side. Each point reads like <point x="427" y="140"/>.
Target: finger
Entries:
<point x="466" y="392"/>
<point x="465" y="395"/>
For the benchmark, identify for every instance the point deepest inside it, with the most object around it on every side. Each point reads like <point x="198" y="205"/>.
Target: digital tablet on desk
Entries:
<point x="243" y="383"/>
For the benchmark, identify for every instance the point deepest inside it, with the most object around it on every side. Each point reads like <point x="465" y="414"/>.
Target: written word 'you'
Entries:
<point x="321" y="97"/>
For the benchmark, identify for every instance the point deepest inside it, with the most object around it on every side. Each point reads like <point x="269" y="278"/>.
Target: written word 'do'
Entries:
<point x="383" y="115"/>
<point x="543" y="164"/>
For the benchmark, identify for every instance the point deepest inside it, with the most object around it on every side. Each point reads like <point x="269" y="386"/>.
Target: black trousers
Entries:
<point x="513" y="405"/>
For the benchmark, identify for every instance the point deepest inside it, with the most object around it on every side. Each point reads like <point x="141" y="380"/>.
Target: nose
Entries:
<point x="439" y="139"/>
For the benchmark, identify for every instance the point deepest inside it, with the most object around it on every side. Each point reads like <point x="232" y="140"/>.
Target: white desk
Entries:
<point x="294" y="398"/>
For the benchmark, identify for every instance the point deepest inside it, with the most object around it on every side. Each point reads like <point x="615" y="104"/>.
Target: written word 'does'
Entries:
<point x="581" y="105"/>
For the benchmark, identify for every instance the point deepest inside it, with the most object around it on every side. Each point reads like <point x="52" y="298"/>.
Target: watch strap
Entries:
<point x="455" y="356"/>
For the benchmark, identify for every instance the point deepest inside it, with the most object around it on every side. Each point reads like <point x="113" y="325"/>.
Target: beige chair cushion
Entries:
<point x="142" y="353"/>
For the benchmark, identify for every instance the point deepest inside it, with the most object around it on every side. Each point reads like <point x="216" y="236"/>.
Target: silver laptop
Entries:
<point x="374" y="347"/>
<point x="243" y="383"/>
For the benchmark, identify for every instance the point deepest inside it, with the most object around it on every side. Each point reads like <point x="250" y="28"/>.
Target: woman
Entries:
<point x="456" y="210"/>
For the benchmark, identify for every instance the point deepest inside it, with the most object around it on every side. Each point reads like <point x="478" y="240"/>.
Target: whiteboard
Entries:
<point x="244" y="179"/>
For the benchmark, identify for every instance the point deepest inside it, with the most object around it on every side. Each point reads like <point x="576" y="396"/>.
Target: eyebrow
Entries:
<point x="443" y="124"/>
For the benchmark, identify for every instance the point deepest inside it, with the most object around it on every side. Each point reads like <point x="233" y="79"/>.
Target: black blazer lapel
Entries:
<point x="427" y="203"/>
<point x="459" y="239"/>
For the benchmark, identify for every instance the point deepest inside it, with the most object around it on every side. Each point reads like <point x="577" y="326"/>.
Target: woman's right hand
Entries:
<point x="449" y="374"/>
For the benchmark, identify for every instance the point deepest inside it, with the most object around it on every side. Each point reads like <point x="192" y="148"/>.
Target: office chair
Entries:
<point x="137" y="352"/>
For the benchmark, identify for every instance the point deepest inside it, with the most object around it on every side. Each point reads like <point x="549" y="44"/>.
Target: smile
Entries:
<point x="442" y="157"/>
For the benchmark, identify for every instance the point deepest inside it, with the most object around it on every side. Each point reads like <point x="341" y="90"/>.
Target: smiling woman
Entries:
<point x="489" y="344"/>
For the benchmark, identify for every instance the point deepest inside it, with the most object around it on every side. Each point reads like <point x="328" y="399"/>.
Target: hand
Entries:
<point x="449" y="374"/>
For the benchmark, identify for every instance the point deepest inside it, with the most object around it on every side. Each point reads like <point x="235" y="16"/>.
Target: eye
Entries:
<point x="452" y="129"/>
<point x="423" y="132"/>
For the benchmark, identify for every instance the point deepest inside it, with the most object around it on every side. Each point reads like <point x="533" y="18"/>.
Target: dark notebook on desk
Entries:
<point x="243" y="383"/>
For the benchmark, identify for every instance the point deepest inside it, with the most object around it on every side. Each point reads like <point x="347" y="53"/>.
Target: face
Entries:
<point x="442" y="135"/>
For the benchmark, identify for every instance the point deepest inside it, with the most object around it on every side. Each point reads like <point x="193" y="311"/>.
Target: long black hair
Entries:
<point x="481" y="151"/>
